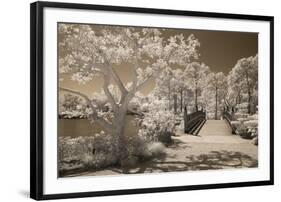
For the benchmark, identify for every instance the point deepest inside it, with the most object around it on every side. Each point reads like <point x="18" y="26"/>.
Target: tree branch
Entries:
<point x="113" y="73"/>
<point x="101" y="121"/>
<point x="78" y="93"/>
<point x="143" y="83"/>
<point x="117" y="80"/>
<point x="135" y="65"/>
<point x="109" y="95"/>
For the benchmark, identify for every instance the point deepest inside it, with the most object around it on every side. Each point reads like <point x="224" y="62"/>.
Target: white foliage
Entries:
<point x="89" y="50"/>
<point x="156" y="148"/>
<point x="157" y="120"/>
<point x="243" y="83"/>
<point x="251" y="124"/>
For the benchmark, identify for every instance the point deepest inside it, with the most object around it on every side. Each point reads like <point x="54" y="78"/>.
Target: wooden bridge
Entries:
<point x="215" y="128"/>
<point x="195" y="121"/>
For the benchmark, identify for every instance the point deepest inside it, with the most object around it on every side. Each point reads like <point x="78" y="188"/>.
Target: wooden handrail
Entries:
<point x="229" y="117"/>
<point x="193" y="121"/>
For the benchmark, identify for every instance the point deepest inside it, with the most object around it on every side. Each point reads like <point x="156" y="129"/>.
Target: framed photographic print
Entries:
<point x="135" y="100"/>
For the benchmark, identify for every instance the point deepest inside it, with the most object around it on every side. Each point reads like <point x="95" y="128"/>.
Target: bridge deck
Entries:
<point x="215" y="128"/>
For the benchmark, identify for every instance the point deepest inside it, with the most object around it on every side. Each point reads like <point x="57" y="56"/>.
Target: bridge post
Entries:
<point x="185" y="120"/>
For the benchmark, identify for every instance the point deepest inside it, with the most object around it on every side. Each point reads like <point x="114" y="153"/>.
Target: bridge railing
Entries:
<point x="229" y="116"/>
<point x="194" y="121"/>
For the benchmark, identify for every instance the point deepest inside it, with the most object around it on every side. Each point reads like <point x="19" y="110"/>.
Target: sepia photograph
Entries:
<point x="135" y="100"/>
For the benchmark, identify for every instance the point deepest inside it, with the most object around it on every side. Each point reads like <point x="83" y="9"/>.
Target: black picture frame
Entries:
<point x="36" y="98"/>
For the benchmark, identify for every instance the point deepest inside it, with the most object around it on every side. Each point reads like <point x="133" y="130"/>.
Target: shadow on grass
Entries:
<point x="179" y="145"/>
<point x="211" y="161"/>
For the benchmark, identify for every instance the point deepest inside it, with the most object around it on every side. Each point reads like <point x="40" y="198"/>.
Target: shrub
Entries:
<point x="72" y="149"/>
<point x="251" y="124"/>
<point x="156" y="148"/>
<point x="243" y="107"/>
<point x="242" y="131"/>
<point x="157" y="124"/>
<point x="240" y="115"/>
<point x="253" y="117"/>
<point x="246" y="126"/>
<point x="84" y="152"/>
<point x="100" y="151"/>
<point x="165" y="137"/>
<point x="136" y="146"/>
<point x="242" y="119"/>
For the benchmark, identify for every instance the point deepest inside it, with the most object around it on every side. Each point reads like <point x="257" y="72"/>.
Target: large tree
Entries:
<point x="88" y="51"/>
<point x="244" y="77"/>
<point x="196" y="74"/>
<point x="163" y="87"/>
<point x="217" y="85"/>
<point x="180" y="85"/>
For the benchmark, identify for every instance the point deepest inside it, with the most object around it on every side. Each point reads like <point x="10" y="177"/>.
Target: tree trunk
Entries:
<point x="184" y="98"/>
<point x="249" y="101"/>
<point x="237" y="99"/>
<point x="216" y="110"/>
<point x="120" y="124"/>
<point x="169" y="97"/>
<point x="181" y="99"/>
<point x="249" y="93"/>
<point x="175" y="103"/>
<point x="122" y="144"/>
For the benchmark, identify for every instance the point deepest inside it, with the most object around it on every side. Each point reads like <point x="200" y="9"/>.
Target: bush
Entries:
<point x="87" y="152"/>
<point x="240" y="115"/>
<point x="251" y="124"/>
<point x="156" y="148"/>
<point x="152" y="150"/>
<point x="242" y="108"/>
<point x="157" y="124"/>
<point x="100" y="151"/>
<point x="253" y="117"/>
<point x="136" y="146"/>
<point x="165" y="137"/>
<point x="72" y="149"/>
<point x="246" y="126"/>
<point x="242" y="119"/>
<point x="242" y="131"/>
<point x="140" y="150"/>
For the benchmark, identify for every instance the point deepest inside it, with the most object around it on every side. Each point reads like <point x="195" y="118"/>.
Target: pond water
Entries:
<point x="83" y="127"/>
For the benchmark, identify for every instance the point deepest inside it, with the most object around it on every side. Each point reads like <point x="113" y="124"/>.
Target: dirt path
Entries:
<point x="214" y="148"/>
